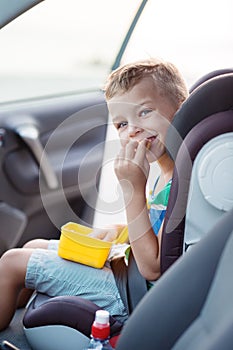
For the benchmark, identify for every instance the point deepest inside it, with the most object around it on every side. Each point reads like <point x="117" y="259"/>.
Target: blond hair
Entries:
<point x="165" y="75"/>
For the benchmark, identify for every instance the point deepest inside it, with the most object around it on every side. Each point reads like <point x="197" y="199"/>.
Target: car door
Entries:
<point x="43" y="146"/>
<point x="51" y="142"/>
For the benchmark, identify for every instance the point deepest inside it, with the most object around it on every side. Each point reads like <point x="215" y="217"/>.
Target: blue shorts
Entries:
<point x="48" y="273"/>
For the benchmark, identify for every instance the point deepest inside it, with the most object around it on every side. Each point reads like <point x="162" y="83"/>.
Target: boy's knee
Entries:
<point x="10" y="258"/>
<point x="30" y="244"/>
<point x="13" y="264"/>
<point x="12" y="271"/>
<point x="37" y="243"/>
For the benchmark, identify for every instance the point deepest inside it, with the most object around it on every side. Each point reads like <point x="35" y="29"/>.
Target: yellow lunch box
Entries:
<point x="76" y="245"/>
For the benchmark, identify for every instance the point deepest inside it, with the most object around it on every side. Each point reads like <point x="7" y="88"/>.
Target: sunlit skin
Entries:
<point x="141" y="117"/>
<point x="142" y="114"/>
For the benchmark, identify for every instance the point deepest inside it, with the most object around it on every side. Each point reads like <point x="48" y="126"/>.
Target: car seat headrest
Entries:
<point x="208" y="76"/>
<point x="213" y="96"/>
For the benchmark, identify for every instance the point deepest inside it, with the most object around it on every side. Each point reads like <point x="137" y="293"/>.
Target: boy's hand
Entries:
<point x="109" y="233"/>
<point x="132" y="165"/>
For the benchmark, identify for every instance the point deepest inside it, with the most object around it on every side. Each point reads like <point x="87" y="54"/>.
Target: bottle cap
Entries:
<point x="101" y="327"/>
<point x="102" y="316"/>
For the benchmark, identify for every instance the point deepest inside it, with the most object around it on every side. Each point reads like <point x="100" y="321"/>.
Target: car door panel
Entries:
<point x="13" y="222"/>
<point x="71" y="132"/>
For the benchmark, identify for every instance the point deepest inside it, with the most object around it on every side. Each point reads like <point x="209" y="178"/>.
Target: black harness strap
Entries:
<point x="119" y="270"/>
<point x="130" y="283"/>
<point x="136" y="286"/>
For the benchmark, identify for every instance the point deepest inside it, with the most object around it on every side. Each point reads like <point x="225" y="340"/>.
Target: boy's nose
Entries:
<point x="133" y="130"/>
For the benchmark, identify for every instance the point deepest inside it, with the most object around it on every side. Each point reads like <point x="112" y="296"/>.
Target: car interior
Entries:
<point x="51" y="146"/>
<point x="202" y="149"/>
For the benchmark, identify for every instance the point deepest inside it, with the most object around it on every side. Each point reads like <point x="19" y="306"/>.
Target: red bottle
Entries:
<point x="100" y="332"/>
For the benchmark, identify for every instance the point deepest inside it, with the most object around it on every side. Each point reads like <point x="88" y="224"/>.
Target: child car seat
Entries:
<point x="190" y="307"/>
<point x="205" y="115"/>
<point x="208" y="76"/>
<point x="49" y="323"/>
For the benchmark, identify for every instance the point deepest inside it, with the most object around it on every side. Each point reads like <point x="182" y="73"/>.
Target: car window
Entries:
<point x="195" y="35"/>
<point x="62" y="46"/>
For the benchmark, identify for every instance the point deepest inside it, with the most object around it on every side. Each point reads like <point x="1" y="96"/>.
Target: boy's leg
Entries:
<point x="13" y="266"/>
<point x="37" y="243"/>
<point x="26" y="293"/>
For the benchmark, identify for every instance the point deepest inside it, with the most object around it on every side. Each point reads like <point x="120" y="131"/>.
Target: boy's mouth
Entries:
<point x="149" y="141"/>
<point x="151" y="138"/>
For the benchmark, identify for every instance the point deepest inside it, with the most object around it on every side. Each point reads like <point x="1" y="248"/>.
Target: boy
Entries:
<point x="142" y="99"/>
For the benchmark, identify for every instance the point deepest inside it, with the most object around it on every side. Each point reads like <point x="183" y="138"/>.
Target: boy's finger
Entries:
<point x="98" y="234"/>
<point x="119" y="158"/>
<point x="110" y="236"/>
<point x="121" y="154"/>
<point x="141" y="152"/>
<point x="130" y="149"/>
<point x="124" y="142"/>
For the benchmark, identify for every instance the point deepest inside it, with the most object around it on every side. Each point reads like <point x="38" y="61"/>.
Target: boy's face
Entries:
<point x="142" y="113"/>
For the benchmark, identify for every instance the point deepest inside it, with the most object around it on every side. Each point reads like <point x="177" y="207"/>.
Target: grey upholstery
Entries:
<point x="206" y="114"/>
<point x="210" y="75"/>
<point x="191" y="306"/>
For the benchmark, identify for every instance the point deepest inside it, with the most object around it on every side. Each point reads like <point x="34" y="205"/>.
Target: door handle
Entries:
<point x="30" y="135"/>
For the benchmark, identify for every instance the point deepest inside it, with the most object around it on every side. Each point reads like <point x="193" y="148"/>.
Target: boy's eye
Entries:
<point x="121" y="125"/>
<point x="145" y="112"/>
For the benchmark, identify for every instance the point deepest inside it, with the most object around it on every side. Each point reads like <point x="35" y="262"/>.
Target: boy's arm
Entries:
<point x="132" y="170"/>
<point x="144" y="243"/>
